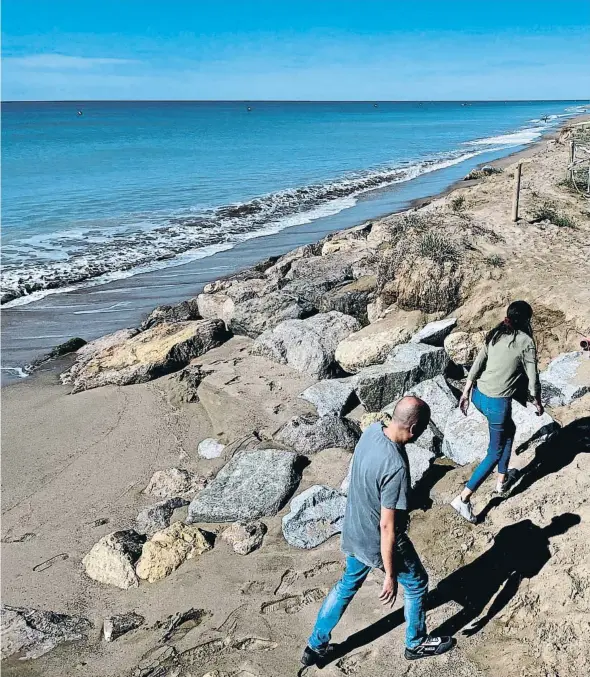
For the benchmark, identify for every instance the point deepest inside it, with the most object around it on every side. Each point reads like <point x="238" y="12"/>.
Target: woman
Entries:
<point x="508" y="355"/>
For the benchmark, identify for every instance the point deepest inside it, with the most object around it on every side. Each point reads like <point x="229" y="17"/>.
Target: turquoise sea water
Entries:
<point x="100" y="191"/>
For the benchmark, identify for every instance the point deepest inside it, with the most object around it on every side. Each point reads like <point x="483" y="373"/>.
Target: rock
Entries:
<point x="351" y="298"/>
<point x="157" y="517"/>
<point x="422" y="283"/>
<point x="157" y="351"/>
<point x="331" y="269"/>
<point x="315" y="515"/>
<point x="179" y="312"/>
<point x="566" y="378"/>
<point x="216" y="306"/>
<point x="252" y="485"/>
<point x="437" y="394"/>
<point x="244" y="537"/>
<point x="120" y="624"/>
<point x="92" y="348"/>
<point x="434" y="333"/>
<point x="309" y="434"/>
<point x="342" y="245"/>
<point x="330" y="397"/>
<point x="466" y="438"/>
<point x="30" y="633"/>
<point x="406" y="366"/>
<point x="210" y="448"/>
<point x="253" y="317"/>
<point x="462" y="347"/>
<point x="373" y="343"/>
<point x="306" y="345"/>
<point x="482" y="172"/>
<point x="187" y="382"/>
<point x="168" y="549"/>
<point x="368" y="419"/>
<point x="421" y="455"/>
<point x="174" y="482"/>
<point x="111" y="560"/>
<point x="376" y="310"/>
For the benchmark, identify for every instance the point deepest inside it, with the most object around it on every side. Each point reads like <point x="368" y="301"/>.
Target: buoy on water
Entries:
<point x="80" y="113"/>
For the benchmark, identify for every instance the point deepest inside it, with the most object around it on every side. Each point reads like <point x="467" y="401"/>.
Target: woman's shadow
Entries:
<point x="519" y="551"/>
<point x="550" y="457"/>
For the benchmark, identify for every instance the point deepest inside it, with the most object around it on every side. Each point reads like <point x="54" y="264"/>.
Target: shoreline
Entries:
<point x="277" y="244"/>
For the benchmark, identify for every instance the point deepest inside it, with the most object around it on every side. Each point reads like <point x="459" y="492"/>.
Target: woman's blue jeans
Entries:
<point x="410" y="574"/>
<point x="498" y="411"/>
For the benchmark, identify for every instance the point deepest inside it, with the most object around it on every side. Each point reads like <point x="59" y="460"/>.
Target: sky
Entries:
<point x="295" y="49"/>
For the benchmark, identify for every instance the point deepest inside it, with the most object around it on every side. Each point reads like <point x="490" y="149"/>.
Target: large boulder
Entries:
<point x="252" y="485"/>
<point x="92" y="348"/>
<point x="30" y="633"/>
<point x="350" y="298"/>
<point x="466" y="438"/>
<point x="244" y="537"/>
<point x="306" y="345"/>
<point x="462" y="347"/>
<point x="179" y="312"/>
<point x="168" y="549"/>
<point x="406" y="366"/>
<point x="157" y="517"/>
<point x="566" y="378"/>
<point x="173" y="482"/>
<point x="434" y="333"/>
<point x="216" y="307"/>
<point x="152" y="353"/>
<point x="330" y="397"/>
<point x="420" y="458"/>
<point x="372" y="344"/>
<point x="256" y="315"/>
<point x="439" y="397"/>
<point x="111" y="560"/>
<point x="309" y="434"/>
<point x="315" y="516"/>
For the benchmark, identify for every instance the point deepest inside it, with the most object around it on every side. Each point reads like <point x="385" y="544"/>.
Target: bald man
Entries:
<point x="374" y="535"/>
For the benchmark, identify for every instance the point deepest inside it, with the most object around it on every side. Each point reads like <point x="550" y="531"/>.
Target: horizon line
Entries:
<point x="290" y="100"/>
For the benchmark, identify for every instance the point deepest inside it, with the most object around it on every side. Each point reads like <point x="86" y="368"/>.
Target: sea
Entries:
<point x="110" y="208"/>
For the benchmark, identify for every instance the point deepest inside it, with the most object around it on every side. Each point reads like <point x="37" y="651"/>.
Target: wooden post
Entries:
<point x="570" y="168"/>
<point x="516" y="195"/>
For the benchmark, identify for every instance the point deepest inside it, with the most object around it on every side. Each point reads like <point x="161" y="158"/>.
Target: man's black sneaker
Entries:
<point x="431" y="646"/>
<point x="318" y="658"/>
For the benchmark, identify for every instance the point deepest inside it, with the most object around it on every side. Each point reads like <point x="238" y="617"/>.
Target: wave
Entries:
<point x="85" y="257"/>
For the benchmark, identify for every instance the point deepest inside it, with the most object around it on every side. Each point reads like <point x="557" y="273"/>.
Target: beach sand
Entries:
<point x="74" y="467"/>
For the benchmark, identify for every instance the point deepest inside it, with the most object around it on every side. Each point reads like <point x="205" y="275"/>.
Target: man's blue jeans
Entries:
<point x="498" y="411"/>
<point x="410" y="574"/>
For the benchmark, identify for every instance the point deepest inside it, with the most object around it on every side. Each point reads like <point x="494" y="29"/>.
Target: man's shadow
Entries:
<point x="550" y="457"/>
<point x="519" y="551"/>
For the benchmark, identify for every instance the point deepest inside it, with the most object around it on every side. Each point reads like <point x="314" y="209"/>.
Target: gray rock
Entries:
<point x="315" y="516"/>
<point x="157" y="517"/>
<point x="566" y="378"/>
<point x="187" y="382"/>
<point x="179" y="312"/>
<point x="70" y="346"/>
<point x="462" y="347"/>
<point x="120" y="624"/>
<point x="309" y="434"/>
<point x="406" y="366"/>
<point x="306" y="345"/>
<point x="111" y="560"/>
<point x="421" y="455"/>
<point x="346" y="481"/>
<point x="256" y="315"/>
<point x="216" y="306"/>
<point x="350" y="298"/>
<point x="252" y="485"/>
<point x="331" y="396"/>
<point x="30" y="633"/>
<point x="437" y="394"/>
<point x="244" y="537"/>
<point x="173" y="482"/>
<point x="466" y="438"/>
<point x="434" y="333"/>
<point x="210" y="448"/>
<point x="431" y="361"/>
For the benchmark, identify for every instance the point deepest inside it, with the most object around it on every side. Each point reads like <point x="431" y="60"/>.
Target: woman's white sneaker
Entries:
<point x="464" y="509"/>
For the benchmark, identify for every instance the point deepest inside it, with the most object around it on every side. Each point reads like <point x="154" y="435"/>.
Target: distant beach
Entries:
<point x="92" y="252"/>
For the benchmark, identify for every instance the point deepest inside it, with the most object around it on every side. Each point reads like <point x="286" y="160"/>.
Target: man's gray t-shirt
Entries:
<point x="379" y="478"/>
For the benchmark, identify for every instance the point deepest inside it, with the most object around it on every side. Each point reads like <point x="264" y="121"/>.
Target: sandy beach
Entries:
<point x="75" y="466"/>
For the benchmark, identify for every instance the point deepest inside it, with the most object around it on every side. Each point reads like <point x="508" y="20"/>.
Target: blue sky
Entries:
<point x="295" y="49"/>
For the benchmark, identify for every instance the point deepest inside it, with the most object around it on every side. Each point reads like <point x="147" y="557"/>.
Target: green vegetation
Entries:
<point x="547" y="211"/>
<point x="458" y="204"/>
<point x="495" y="260"/>
<point x="438" y="247"/>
